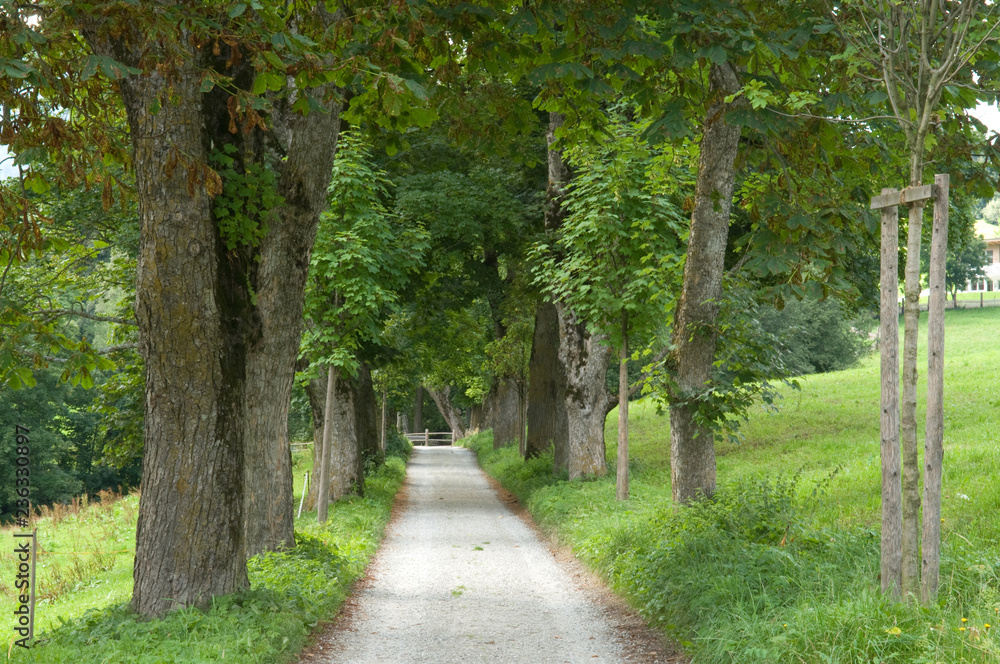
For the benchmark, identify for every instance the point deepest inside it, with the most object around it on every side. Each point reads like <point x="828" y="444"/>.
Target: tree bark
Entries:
<point x="621" y="485"/>
<point x="316" y="391"/>
<point x="546" y="386"/>
<point x="366" y="421"/>
<point x="442" y="399"/>
<point x="505" y="412"/>
<point x="692" y="445"/>
<point x="306" y="145"/>
<point x="892" y="509"/>
<point x="346" y="463"/>
<point x="418" y="409"/>
<point x="189" y="541"/>
<point x="588" y="401"/>
<point x="934" y="434"/>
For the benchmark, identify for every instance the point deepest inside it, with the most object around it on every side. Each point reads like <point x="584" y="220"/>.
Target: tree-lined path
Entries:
<point x="460" y="578"/>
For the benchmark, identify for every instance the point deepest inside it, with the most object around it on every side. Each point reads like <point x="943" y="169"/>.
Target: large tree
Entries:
<point x="232" y="121"/>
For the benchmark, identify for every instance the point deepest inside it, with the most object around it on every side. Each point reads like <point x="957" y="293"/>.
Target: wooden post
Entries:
<point x="427" y="437"/>
<point x="323" y="497"/>
<point x="934" y="434"/>
<point x="892" y="505"/>
<point x="305" y="492"/>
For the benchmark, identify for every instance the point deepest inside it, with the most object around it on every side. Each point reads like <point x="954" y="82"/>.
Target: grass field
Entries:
<point x="85" y="583"/>
<point x="783" y="566"/>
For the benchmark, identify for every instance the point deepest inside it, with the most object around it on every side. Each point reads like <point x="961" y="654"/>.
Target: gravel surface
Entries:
<point x="462" y="578"/>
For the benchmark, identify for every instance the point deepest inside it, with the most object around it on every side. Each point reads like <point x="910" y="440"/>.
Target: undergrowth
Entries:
<point x="290" y="594"/>
<point x="750" y="577"/>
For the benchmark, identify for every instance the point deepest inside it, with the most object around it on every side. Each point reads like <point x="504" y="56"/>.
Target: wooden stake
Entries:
<point x="892" y="508"/>
<point x="934" y="434"/>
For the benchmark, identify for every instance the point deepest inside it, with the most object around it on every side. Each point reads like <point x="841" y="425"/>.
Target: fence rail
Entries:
<point x="301" y="447"/>
<point x="428" y="438"/>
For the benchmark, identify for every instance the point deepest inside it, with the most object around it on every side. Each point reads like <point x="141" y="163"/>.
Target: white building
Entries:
<point x="991" y="234"/>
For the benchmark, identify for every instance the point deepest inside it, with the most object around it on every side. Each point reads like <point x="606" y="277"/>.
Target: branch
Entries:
<point x="646" y="375"/>
<point x="55" y="313"/>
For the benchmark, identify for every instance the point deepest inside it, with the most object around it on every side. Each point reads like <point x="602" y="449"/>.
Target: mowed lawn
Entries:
<point x="829" y="431"/>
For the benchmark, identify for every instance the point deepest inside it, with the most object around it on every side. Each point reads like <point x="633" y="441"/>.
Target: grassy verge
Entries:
<point x="85" y="617"/>
<point x="783" y="565"/>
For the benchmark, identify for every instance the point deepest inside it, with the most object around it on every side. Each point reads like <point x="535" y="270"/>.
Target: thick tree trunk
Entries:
<point x="193" y="312"/>
<point x="366" y="419"/>
<point x="588" y="401"/>
<point x="910" y="579"/>
<point x="346" y="470"/>
<point x="442" y="399"/>
<point x="506" y="417"/>
<point x="306" y="145"/>
<point x="476" y="418"/>
<point x="316" y="391"/>
<point x="546" y="386"/>
<point x="892" y="510"/>
<point x="692" y="445"/>
<point x="418" y="409"/>
<point x="934" y="434"/>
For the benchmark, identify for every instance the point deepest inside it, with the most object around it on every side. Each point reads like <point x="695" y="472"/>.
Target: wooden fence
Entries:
<point x="428" y="438"/>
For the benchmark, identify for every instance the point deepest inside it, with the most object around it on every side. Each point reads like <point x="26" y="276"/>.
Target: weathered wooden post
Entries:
<point x="892" y="498"/>
<point x="427" y="437"/>
<point x="934" y="430"/>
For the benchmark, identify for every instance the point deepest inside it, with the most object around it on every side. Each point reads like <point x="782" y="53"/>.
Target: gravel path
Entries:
<point x="460" y="578"/>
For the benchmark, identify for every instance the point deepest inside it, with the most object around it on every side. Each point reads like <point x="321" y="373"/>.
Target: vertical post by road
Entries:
<point x="934" y="434"/>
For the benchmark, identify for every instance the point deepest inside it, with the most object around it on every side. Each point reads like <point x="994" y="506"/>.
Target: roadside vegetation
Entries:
<point x="782" y="564"/>
<point x="85" y="583"/>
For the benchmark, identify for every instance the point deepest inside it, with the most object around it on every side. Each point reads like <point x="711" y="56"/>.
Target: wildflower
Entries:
<point x="961" y="629"/>
<point x="965" y="620"/>
<point x="986" y="625"/>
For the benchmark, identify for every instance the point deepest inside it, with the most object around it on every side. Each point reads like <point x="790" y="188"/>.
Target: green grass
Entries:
<point x="783" y="565"/>
<point x="85" y="618"/>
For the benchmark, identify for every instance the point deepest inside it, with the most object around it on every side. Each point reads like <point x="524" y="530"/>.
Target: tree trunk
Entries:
<point x="892" y="509"/>
<point x="418" y="409"/>
<point x="546" y="386"/>
<point x="621" y="485"/>
<point x="346" y="469"/>
<point x="476" y="418"/>
<point x="366" y="421"/>
<point x="909" y="576"/>
<point x="326" y="451"/>
<point x="692" y="445"/>
<point x="934" y="434"/>
<point x="307" y="147"/>
<point x="588" y="402"/>
<point x="505" y="412"/>
<point x="316" y="391"/>
<point x="442" y="398"/>
<point x="192" y="336"/>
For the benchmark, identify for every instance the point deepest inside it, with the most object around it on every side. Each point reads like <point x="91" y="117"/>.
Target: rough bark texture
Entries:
<point x="934" y="433"/>
<point x="910" y="579"/>
<point x="505" y="411"/>
<point x="588" y="401"/>
<point x="306" y="145"/>
<point x="547" y="425"/>
<point x="194" y="319"/>
<point x="367" y="420"/>
<point x="692" y="446"/>
<point x="316" y="391"/>
<point x="442" y="399"/>
<point x="476" y="418"/>
<point x="892" y="509"/>
<point x="418" y="409"/>
<point x="346" y="470"/>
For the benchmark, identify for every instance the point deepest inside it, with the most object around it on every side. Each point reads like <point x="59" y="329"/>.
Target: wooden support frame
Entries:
<point x="888" y="203"/>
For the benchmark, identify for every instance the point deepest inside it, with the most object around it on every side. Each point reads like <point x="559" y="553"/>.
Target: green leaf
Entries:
<point x="238" y="10"/>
